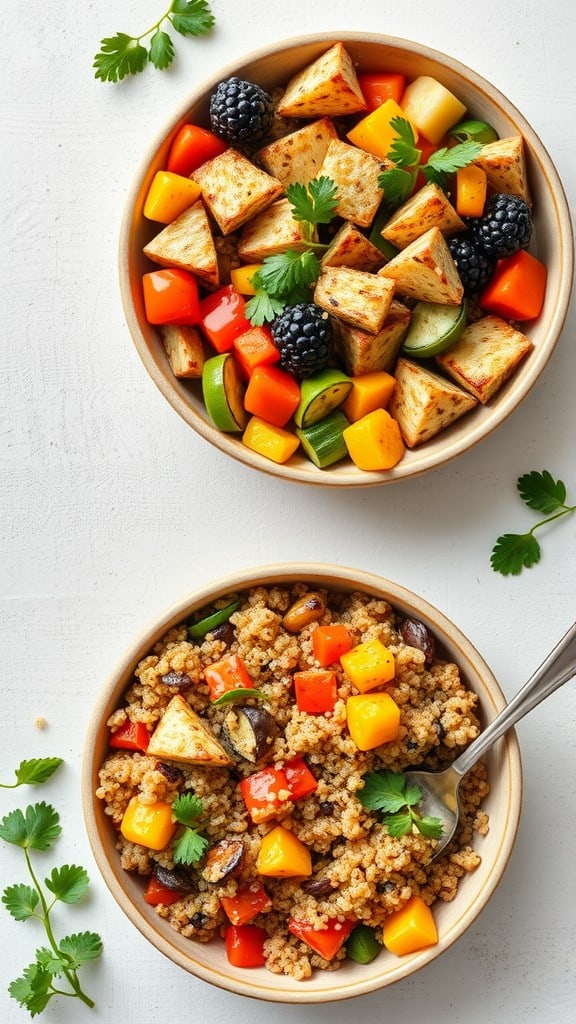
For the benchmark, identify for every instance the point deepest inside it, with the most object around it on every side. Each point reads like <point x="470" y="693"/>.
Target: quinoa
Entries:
<point x="360" y="872"/>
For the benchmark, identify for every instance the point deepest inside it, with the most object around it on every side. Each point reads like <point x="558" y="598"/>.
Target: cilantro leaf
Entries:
<point x="403" y="149"/>
<point x="396" y="185"/>
<point x="79" y="948"/>
<point x="446" y="161"/>
<point x="190" y="847"/>
<point x="398" y="824"/>
<point x="393" y="795"/>
<point x="48" y="961"/>
<point x="314" y="203"/>
<point x="429" y="827"/>
<point x="383" y="791"/>
<point x="514" y="552"/>
<point x="263" y="308"/>
<point x="33" y="989"/>
<point x="284" y="272"/>
<point x="187" y="809"/>
<point x="541" y="492"/>
<point x="191" y="17"/>
<point x="35" y="830"/>
<point x="68" y="883"/>
<point x="120" y="55"/>
<point x="161" y="52"/>
<point x="20" y="901"/>
<point x="37" y="770"/>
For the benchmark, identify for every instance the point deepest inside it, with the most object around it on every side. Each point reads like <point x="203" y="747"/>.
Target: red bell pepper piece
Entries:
<point x="300" y="780"/>
<point x="329" y="642"/>
<point x="245" y="945"/>
<point x="222" y="317"/>
<point x="193" y="146"/>
<point x="316" y="691"/>
<point x="157" y="893"/>
<point x="265" y="792"/>
<point x="228" y="674"/>
<point x="171" y="297"/>
<point x="246" y="903"/>
<point x="326" y="942"/>
<point x="130" y="736"/>
<point x="377" y="87"/>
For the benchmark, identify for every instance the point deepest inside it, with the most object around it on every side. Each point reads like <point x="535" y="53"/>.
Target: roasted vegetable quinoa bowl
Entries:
<point x="224" y="776"/>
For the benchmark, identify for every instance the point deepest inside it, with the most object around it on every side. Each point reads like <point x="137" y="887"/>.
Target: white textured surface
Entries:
<point x="112" y="508"/>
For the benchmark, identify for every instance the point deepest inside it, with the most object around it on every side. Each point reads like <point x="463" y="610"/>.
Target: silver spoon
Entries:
<point x="440" y="789"/>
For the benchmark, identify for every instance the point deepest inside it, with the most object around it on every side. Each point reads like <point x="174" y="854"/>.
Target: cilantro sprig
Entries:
<point x="396" y="798"/>
<point x="286" y="278"/>
<point x="190" y="845"/>
<point x="33" y="772"/>
<point x="397" y="182"/>
<point x="36" y="829"/>
<point x="516" y="551"/>
<point x="123" y="55"/>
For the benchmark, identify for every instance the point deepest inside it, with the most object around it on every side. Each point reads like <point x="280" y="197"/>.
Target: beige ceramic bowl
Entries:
<point x="208" y="961"/>
<point x="552" y="244"/>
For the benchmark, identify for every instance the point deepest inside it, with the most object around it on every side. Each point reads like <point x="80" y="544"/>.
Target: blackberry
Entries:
<point x="504" y="227"/>
<point x="474" y="267"/>
<point x="303" y="335"/>
<point x="241" y="112"/>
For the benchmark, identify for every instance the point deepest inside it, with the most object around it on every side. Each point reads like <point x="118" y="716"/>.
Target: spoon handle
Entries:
<point x="555" y="670"/>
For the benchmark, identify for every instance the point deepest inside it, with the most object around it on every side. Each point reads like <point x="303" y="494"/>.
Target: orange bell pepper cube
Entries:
<point x="245" y="945"/>
<point x="241" y="277"/>
<point x="372" y="719"/>
<point x="283" y="855"/>
<point x="471" y="189"/>
<point x="379" y="86"/>
<point x="301" y="782"/>
<point x="411" y="928"/>
<point x="255" y="348"/>
<point x="131" y="736"/>
<point x="157" y="894"/>
<point x="327" y="941"/>
<point x="148" y="825"/>
<point x="222" y="317"/>
<point x="228" y="674"/>
<point x="316" y="691"/>
<point x="330" y="642"/>
<point x="269" y="441"/>
<point x="191" y="147"/>
<point x="247" y="902"/>
<point x="368" y="665"/>
<point x="517" y="288"/>
<point x="272" y="394"/>
<point x="171" y="297"/>
<point x="169" y="195"/>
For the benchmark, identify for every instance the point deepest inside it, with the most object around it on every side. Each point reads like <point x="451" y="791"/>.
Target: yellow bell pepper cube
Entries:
<point x="411" y="928"/>
<point x="240" y="278"/>
<point x="368" y="665"/>
<point x="148" y="825"/>
<point x="372" y="719"/>
<point x="374" y="133"/>
<point x="169" y="195"/>
<point x="370" y="391"/>
<point x="471" y="187"/>
<point x="374" y="442"/>
<point x="272" y="442"/>
<point x="431" y="107"/>
<point x="283" y="855"/>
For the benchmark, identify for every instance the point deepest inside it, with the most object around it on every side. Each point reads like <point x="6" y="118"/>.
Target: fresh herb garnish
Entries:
<point x="37" y="828"/>
<point x="33" y="772"/>
<point x="240" y="694"/>
<point x="396" y="798"/>
<point x="190" y="846"/>
<point x="123" y="55"/>
<point x="398" y="182"/>
<point x="516" y="551"/>
<point x="286" y="278"/>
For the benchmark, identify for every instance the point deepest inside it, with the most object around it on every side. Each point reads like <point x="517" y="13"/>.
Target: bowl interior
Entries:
<point x="208" y="961"/>
<point x="552" y="244"/>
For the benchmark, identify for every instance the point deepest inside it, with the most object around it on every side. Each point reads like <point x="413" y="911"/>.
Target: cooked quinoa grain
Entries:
<point x="359" y="872"/>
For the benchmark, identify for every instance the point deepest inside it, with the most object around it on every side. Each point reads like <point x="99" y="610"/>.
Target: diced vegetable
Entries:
<point x="245" y="945"/>
<point x="181" y="735"/>
<point x="431" y="107"/>
<point x="368" y="665"/>
<point x="265" y="792"/>
<point x="272" y="395"/>
<point x="326" y="941"/>
<point x="223" y="860"/>
<point x="323" y="442"/>
<point x="222" y="317"/>
<point x="229" y="673"/>
<point x="471" y="188"/>
<point x="169" y="195"/>
<point x="370" y="391"/>
<point x="171" y="297"/>
<point x="247" y="902"/>
<point x="301" y="782"/>
<point x="379" y="86"/>
<point x="241" y="278"/>
<point x="148" y="825"/>
<point x="283" y="855"/>
<point x="374" y="442"/>
<point x="516" y="291"/>
<point x="316" y="692"/>
<point x="272" y="442"/>
<point x="255" y="348"/>
<point x="374" y="133"/>
<point x="250" y="732"/>
<point x="223" y="391"/>
<point x="372" y="719"/>
<point x="130" y="736"/>
<point x="156" y="893"/>
<point x="411" y="928"/>
<point x="330" y="642"/>
<point x="193" y="146"/>
<point x="362" y="945"/>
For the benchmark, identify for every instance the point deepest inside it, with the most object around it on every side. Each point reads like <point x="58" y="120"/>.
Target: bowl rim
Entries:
<point x="422" y="459"/>
<point x="260" y="985"/>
